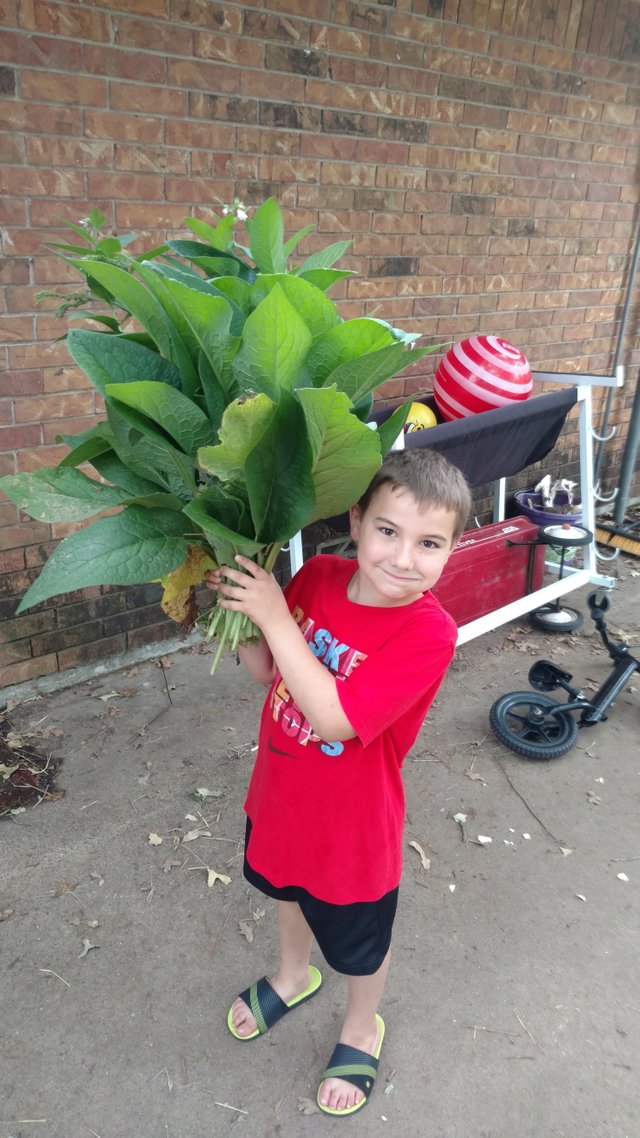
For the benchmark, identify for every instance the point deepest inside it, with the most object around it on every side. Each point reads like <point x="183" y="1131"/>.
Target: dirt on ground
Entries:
<point x="126" y="927"/>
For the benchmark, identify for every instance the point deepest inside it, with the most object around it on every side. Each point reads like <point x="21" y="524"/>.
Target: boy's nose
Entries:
<point x="403" y="557"/>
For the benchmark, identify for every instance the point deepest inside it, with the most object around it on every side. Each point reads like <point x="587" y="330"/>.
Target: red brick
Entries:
<point x="27" y="356"/>
<point x="229" y="49"/>
<point x="49" y="87"/>
<point x="13" y="537"/>
<point x="19" y="673"/>
<point x="131" y="187"/>
<point x="132" y="98"/>
<point x="121" y="64"/>
<point x="13" y="211"/>
<point x="207" y="13"/>
<point x="44" y="183"/>
<point x="156" y="8"/>
<point x="43" y="456"/>
<point x="198" y="190"/>
<point x="65" y="427"/>
<point x="92" y="652"/>
<point x="202" y="76"/>
<point x="67" y="21"/>
<point x="123" y="127"/>
<point x="13" y="328"/>
<point x="17" y="438"/>
<point x="17" y="650"/>
<point x="12" y="149"/>
<point x="201" y="135"/>
<point x="166" y="38"/>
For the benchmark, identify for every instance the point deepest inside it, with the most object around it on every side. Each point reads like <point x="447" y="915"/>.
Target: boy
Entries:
<point x="354" y="653"/>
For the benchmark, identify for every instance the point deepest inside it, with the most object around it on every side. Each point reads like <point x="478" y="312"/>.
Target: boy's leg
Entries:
<point x="359" y="1030"/>
<point x="293" y="975"/>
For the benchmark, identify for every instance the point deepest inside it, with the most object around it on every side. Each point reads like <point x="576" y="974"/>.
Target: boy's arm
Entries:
<point x="258" y="660"/>
<point x="314" y="689"/>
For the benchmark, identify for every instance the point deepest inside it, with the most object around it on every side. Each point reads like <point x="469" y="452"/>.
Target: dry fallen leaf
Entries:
<point x="593" y="798"/>
<point x="64" y="887"/>
<point x="171" y="863"/>
<point x="86" y="947"/>
<point x="155" y="840"/>
<point x="475" y="777"/>
<point x="213" y="876"/>
<point x="193" y="834"/>
<point x="6" y="913"/>
<point x="307" y="1106"/>
<point x="109" y="695"/>
<point x="246" y="930"/>
<point x="426" y="863"/>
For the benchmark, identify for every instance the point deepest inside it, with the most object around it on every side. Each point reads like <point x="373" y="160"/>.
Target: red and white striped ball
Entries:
<point x="480" y="374"/>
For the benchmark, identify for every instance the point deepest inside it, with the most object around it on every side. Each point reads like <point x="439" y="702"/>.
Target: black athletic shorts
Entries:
<point x="354" y="939"/>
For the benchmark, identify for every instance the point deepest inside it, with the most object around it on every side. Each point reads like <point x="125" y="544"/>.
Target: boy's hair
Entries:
<point x="430" y="477"/>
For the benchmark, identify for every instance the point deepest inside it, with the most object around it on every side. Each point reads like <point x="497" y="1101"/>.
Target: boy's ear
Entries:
<point x="355" y="521"/>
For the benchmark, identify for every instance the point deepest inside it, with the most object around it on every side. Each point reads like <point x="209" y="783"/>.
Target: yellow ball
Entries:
<point x="420" y="416"/>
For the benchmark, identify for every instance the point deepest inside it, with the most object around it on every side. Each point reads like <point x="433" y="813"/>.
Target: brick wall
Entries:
<point x="482" y="155"/>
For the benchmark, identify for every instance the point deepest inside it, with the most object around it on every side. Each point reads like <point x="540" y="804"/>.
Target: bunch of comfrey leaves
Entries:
<point x="236" y="402"/>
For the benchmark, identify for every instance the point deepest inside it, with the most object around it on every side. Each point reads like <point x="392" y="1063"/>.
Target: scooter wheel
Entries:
<point x="522" y="720"/>
<point x="552" y="619"/>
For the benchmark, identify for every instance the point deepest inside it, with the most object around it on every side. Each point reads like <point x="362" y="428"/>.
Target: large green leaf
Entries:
<point x="325" y="278"/>
<point x="112" y="359"/>
<point x="278" y="475"/>
<point x="318" y="312"/>
<point x="198" y="284"/>
<point x="266" y="238"/>
<point x="86" y="445"/>
<point x="220" y="235"/>
<point x="214" y="261"/>
<point x="347" y="341"/>
<point x="360" y="376"/>
<point x="391" y="428"/>
<point x="326" y="257"/>
<point x="132" y="295"/>
<point x="226" y="541"/>
<point x="275" y="342"/>
<point x="243" y="424"/>
<point x="346" y="453"/>
<point x="291" y="243"/>
<point x="114" y="470"/>
<point x="129" y="548"/>
<point x="60" y="494"/>
<point x="168" y="409"/>
<point x="149" y="454"/>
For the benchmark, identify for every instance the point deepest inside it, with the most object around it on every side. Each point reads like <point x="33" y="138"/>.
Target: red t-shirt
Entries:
<point x="328" y="816"/>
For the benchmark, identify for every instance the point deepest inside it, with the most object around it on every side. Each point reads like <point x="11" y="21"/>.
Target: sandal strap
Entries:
<point x="266" y="1005"/>
<point x="352" y="1065"/>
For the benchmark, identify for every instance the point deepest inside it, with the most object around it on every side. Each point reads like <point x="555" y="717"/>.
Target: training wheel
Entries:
<point x="550" y="618"/>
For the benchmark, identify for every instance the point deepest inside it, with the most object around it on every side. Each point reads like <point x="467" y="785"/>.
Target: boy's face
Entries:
<point x="402" y="548"/>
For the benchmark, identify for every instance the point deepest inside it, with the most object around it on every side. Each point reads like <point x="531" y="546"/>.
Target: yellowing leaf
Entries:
<point x="177" y="599"/>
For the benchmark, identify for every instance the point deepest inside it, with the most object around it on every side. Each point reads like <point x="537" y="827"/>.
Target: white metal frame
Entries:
<point x="573" y="578"/>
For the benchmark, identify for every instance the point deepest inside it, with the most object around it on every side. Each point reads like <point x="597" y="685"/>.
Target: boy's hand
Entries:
<point x="254" y="593"/>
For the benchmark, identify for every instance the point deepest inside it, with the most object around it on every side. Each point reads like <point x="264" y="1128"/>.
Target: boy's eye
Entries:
<point x="387" y="531"/>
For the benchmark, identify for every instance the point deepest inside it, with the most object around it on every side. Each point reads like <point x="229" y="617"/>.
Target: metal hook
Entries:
<point x="605" y="497"/>
<point x="603" y="438"/>
<point x="601" y="557"/>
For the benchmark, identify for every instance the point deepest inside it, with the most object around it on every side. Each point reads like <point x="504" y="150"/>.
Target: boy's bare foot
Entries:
<point x="338" y="1094"/>
<point x="286" y="987"/>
